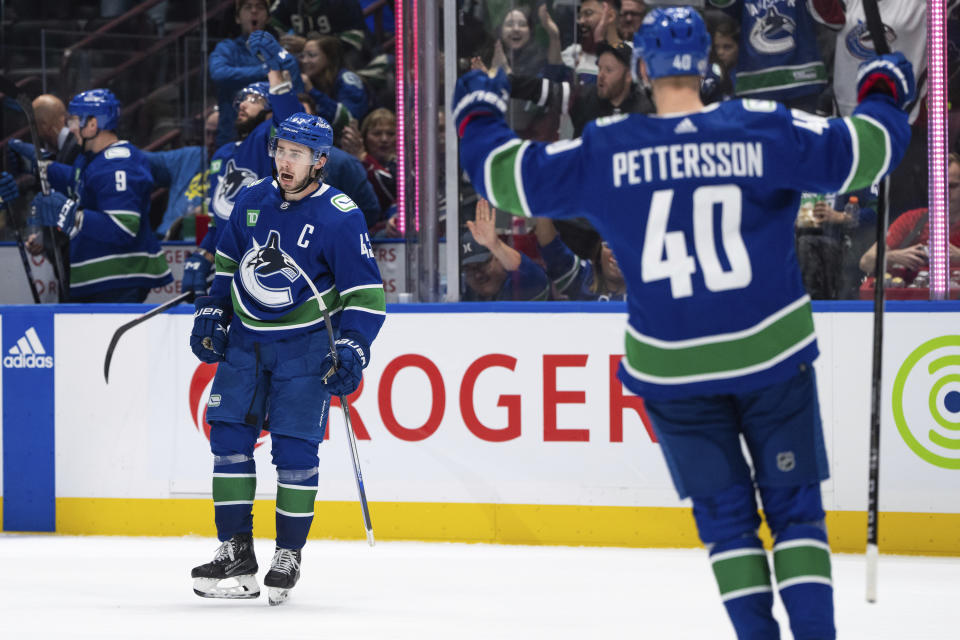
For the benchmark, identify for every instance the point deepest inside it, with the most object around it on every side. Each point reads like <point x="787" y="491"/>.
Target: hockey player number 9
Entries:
<point x="665" y="252"/>
<point x="121" y="178"/>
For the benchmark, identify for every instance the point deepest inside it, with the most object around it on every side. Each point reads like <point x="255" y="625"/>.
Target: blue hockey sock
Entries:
<point x="743" y="576"/>
<point x="296" y="494"/>
<point x="234" y="487"/>
<point x="801" y="560"/>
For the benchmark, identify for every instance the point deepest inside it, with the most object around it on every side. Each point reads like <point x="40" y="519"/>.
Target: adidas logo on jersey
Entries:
<point x="685" y="126"/>
<point x="28" y="353"/>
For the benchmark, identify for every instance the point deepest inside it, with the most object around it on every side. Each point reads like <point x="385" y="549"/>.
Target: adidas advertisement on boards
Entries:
<point x="27" y="341"/>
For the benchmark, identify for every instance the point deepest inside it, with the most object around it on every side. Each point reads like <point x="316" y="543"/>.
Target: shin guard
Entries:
<point x="296" y="494"/>
<point x="801" y="560"/>
<point x="234" y="487"/>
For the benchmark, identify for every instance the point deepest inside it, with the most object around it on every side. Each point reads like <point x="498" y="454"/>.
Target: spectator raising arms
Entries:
<point x="233" y="66"/>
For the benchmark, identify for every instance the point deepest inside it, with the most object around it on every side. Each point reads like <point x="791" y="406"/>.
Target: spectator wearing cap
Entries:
<point x="492" y="269"/>
<point x="233" y="66"/>
<point x="614" y="92"/>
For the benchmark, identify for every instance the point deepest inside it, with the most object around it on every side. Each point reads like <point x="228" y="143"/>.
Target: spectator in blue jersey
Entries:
<point x="294" y="21"/>
<point x="339" y="93"/>
<point x="102" y="203"/>
<point x="492" y="269"/>
<point x="575" y="278"/>
<point x="724" y="51"/>
<point x="293" y="248"/>
<point x="778" y="57"/>
<point x="720" y="339"/>
<point x="233" y="65"/>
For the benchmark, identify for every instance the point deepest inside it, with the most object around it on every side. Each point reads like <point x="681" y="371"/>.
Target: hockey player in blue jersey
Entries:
<point x="102" y="203"/>
<point x="292" y="247"/>
<point x="698" y="204"/>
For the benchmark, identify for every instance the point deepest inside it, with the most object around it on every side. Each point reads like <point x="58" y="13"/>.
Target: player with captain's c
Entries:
<point x="698" y="204"/>
<point x="292" y="248"/>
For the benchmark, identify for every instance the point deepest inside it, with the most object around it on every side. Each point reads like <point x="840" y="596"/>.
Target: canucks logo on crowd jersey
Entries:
<point x="233" y="178"/>
<point x="773" y="33"/>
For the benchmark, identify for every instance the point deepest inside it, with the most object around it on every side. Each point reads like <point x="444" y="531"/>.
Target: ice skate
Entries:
<point x="283" y="575"/>
<point x="231" y="574"/>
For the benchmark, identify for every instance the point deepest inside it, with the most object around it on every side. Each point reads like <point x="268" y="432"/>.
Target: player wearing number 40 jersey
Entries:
<point x="292" y="248"/>
<point x="698" y="205"/>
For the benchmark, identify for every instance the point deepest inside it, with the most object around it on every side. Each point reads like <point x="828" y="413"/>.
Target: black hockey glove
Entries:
<point x="344" y="379"/>
<point x="208" y="340"/>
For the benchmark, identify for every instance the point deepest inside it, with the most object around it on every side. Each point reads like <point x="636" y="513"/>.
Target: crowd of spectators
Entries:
<point x="802" y="54"/>
<point x="569" y="62"/>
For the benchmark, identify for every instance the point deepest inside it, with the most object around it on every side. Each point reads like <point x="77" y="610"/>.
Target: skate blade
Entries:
<point x="276" y="596"/>
<point x="236" y="588"/>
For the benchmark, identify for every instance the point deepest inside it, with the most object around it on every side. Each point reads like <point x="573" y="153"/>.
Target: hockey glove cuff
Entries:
<point x="343" y="378"/>
<point x="197" y="274"/>
<point x="478" y="94"/>
<point x="890" y="74"/>
<point x="56" y="210"/>
<point x="208" y="340"/>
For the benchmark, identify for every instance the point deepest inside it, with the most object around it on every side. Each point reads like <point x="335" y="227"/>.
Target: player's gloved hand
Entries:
<point x="263" y="45"/>
<point x="344" y="379"/>
<point x="477" y="94"/>
<point x="25" y="154"/>
<point x="8" y="189"/>
<point x="197" y="272"/>
<point x="208" y="340"/>
<point x="56" y="210"/>
<point x="890" y="74"/>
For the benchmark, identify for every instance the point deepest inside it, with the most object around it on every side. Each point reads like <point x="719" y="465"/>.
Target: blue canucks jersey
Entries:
<point x="778" y="57"/>
<point x="237" y="164"/>
<point x="699" y="210"/>
<point x="278" y="261"/>
<point x="114" y="248"/>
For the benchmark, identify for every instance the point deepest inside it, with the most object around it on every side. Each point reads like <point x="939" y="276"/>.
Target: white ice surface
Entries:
<point x="54" y="587"/>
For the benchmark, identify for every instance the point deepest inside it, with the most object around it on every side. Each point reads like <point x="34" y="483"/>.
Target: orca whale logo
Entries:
<point x="773" y="33"/>
<point x="233" y="179"/>
<point x="268" y="264"/>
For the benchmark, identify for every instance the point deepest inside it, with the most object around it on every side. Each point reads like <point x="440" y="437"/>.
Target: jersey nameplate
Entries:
<point x="252" y="216"/>
<point x="343" y="202"/>
<point x="116" y="152"/>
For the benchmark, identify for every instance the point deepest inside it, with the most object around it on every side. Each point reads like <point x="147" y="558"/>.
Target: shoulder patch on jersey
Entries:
<point x="759" y="106"/>
<point x="349" y="77"/>
<point x="252" y="216"/>
<point x="562" y="145"/>
<point x="113" y="153"/>
<point x="614" y="119"/>
<point x="215" y="165"/>
<point x="343" y="202"/>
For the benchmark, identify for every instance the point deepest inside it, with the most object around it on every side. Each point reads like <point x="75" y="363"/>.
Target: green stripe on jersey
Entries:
<point x="230" y="488"/>
<point x="371" y="298"/>
<point x="129" y="221"/>
<point x="739" y="571"/>
<point x="871" y="155"/>
<point x="299" y="500"/>
<point x="501" y="174"/>
<point x="715" y="357"/>
<point x="306" y="313"/>
<point x="224" y="265"/>
<point x="799" y="561"/>
<point x="780" y="78"/>
<point x="144" y="265"/>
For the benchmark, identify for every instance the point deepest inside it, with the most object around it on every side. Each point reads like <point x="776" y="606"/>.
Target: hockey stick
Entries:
<point x="183" y="297"/>
<point x="18" y="234"/>
<point x="355" y="457"/>
<point x="10" y="88"/>
<point x="879" y="37"/>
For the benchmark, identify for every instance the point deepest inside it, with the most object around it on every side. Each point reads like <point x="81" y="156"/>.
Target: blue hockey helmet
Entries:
<point x="260" y="89"/>
<point x="100" y="103"/>
<point x="311" y="131"/>
<point x="672" y="41"/>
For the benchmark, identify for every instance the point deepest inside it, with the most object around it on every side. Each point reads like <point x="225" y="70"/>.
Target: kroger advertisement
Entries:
<point x="512" y="408"/>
